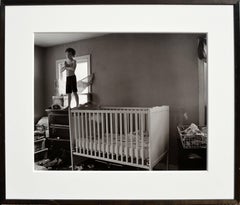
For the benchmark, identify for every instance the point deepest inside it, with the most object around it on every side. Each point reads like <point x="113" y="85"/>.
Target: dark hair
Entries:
<point x="71" y="50"/>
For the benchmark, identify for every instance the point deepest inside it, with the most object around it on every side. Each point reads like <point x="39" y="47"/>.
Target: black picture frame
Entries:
<point x="235" y="3"/>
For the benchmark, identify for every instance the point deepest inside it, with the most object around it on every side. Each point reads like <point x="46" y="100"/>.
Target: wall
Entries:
<point x="39" y="83"/>
<point x="139" y="70"/>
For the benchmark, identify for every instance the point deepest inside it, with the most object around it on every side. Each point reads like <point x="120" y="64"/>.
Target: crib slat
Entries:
<point x="70" y="115"/>
<point x="98" y="131"/>
<point x="125" y="134"/>
<point x="121" y="140"/>
<point x="111" y="133"/>
<point x="94" y="135"/>
<point x="142" y="148"/>
<point x="106" y="121"/>
<point x="137" y="135"/>
<point x="131" y="135"/>
<point x="82" y="130"/>
<point x="75" y="117"/>
<point x="103" y="151"/>
<point x="79" y="134"/>
<point x="75" y="131"/>
<point x="144" y="122"/>
<point x="116" y="134"/>
<point x="86" y="132"/>
<point x="90" y="132"/>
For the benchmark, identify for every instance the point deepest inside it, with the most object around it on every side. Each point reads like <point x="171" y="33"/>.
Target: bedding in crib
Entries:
<point x="129" y="144"/>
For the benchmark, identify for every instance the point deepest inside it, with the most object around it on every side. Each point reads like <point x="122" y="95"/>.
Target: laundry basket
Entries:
<point x="193" y="140"/>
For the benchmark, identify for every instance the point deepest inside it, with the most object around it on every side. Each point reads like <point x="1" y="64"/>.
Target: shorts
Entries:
<point x="71" y="84"/>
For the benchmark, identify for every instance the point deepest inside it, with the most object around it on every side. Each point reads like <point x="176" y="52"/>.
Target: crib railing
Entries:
<point x="115" y="135"/>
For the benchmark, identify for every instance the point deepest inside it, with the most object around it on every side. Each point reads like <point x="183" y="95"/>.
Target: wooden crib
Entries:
<point x="131" y="136"/>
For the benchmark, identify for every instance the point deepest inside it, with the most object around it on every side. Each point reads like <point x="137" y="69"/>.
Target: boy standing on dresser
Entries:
<point x="71" y="81"/>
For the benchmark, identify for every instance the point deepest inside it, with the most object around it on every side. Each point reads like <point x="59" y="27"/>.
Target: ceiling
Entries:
<point x="52" y="39"/>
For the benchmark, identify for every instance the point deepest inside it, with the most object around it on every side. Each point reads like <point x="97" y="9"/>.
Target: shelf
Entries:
<point x="42" y="150"/>
<point x="58" y="139"/>
<point x="59" y="126"/>
<point x="39" y="140"/>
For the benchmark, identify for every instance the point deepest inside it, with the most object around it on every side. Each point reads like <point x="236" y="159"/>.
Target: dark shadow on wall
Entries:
<point x="39" y="83"/>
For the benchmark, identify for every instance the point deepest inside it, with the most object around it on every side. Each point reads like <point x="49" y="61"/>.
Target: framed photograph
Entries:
<point x="110" y="101"/>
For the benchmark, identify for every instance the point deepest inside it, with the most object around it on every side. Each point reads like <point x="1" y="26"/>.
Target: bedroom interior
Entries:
<point x="135" y="75"/>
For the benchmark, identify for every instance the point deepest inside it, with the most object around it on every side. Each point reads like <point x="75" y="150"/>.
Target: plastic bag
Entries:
<point x="84" y="83"/>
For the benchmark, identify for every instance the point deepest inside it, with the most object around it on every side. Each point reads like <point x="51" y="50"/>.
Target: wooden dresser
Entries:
<point x="58" y="142"/>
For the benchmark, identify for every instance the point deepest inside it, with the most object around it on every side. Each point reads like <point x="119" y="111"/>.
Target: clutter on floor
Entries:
<point x="38" y="167"/>
<point x="40" y="149"/>
<point x="81" y="163"/>
<point x="55" y="164"/>
<point x="93" y="164"/>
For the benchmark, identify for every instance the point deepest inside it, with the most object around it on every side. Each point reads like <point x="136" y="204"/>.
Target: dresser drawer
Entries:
<point x="61" y="133"/>
<point x="61" y="119"/>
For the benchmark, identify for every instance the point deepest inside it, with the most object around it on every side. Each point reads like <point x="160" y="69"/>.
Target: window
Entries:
<point x="82" y="71"/>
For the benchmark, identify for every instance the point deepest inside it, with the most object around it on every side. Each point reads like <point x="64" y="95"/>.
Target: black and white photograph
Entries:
<point x="120" y="101"/>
